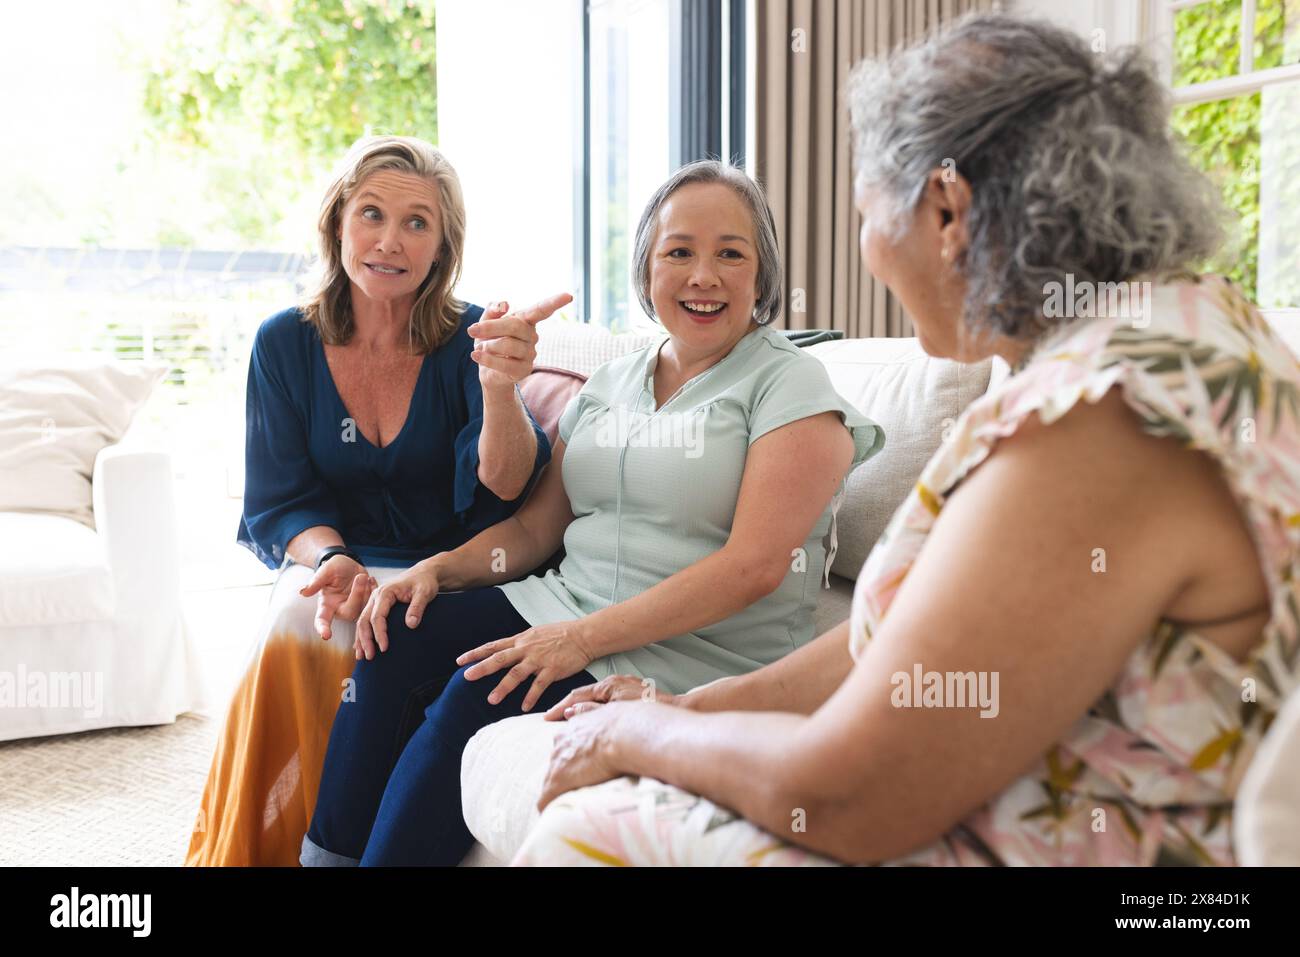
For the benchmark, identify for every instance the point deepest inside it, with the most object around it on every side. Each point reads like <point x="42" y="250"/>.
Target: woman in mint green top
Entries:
<point x="674" y="476"/>
<point x="692" y="487"/>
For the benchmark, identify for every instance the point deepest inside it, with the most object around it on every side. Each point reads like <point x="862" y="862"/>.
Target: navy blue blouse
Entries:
<point x="307" y="464"/>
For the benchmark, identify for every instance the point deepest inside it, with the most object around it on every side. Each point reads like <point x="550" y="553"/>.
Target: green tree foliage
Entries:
<point x="273" y="92"/>
<point x="1223" y="136"/>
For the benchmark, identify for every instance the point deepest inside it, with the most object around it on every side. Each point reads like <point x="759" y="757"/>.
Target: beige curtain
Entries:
<point x="805" y="51"/>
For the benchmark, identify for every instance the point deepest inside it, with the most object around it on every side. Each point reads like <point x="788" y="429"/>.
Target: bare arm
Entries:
<point x="518" y="545"/>
<point x="799" y="683"/>
<point x="507" y="444"/>
<point x="498" y="554"/>
<point x="790" y="475"/>
<point x="505" y="347"/>
<point x="876" y="779"/>
<point x="305" y="547"/>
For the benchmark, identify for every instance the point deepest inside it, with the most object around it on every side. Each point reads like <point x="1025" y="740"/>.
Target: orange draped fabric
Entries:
<point x="261" y="789"/>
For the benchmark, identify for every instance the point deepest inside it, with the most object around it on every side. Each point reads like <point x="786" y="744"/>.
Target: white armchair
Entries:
<point x="91" y="629"/>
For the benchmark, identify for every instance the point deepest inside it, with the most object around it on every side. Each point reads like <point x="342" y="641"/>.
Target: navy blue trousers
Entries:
<point x="390" y="788"/>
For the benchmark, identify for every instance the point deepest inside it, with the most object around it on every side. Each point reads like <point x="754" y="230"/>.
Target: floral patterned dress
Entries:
<point x="1163" y="750"/>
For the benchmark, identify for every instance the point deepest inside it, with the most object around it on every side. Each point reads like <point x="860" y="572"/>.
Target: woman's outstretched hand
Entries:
<point x="549" y="653"/>
<point x="342" y="588"/>
<point x="582" y="754"/>
<point x="417" y="586"/>
<point x="505" y="343"/>
<point x="614" y="688"/>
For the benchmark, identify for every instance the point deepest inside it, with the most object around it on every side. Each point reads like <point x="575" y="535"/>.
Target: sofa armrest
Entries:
<point x="135" y="515"/>
<point x="1266" y="820"/>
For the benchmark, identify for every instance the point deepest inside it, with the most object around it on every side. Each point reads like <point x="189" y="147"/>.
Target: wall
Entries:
<point x="509" y="74"/>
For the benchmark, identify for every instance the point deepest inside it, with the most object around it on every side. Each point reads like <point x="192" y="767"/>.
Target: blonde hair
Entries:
<point x="436" y="313"/>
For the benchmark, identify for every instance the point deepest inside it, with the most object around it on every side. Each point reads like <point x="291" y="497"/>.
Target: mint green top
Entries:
<point x="654" y="491"/>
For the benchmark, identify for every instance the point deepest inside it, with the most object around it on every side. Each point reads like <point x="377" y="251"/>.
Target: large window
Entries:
<point x="629" y="153"/>
<point x="663" y="85"/>
<point x="1235" y="71"/>
<point x="160" y="196"/>
<point x="562" y="134"/>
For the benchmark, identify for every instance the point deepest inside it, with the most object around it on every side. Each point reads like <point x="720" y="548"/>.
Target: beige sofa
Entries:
<point x="915" y="398"/>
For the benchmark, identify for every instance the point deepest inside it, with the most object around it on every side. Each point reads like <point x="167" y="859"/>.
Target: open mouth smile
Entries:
<point x="703" y="310"/>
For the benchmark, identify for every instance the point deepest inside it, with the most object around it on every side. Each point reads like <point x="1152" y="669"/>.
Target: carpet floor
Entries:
<point x="124" y="797"/>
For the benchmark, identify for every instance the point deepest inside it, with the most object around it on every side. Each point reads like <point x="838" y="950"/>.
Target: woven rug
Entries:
<point x="118" y="797"/>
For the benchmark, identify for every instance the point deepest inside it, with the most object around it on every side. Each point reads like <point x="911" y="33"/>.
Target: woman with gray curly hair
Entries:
<point x="1109" y="536"/>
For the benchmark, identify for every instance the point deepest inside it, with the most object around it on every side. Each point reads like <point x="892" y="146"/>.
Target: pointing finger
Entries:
<point x="513" y="327"/>
<point x="541" y="310"/>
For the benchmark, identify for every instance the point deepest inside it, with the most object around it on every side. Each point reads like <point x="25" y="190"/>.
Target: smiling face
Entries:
<point x="390" y="232"/>
<point x="704" y="270"/>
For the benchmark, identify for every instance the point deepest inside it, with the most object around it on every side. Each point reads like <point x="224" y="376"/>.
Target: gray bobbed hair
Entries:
<point x="767" y="299"/>
<point x="1072" y="163"/>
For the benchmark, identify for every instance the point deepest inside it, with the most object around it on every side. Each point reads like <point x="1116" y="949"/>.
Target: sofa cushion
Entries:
<point x="52" y="572"/>
<point x="583" y="347"/>
<point x="833" y="605"/>
<point x="547" y="391"/>
<point x="55" y="417"/>
<point x="915" y="398"/>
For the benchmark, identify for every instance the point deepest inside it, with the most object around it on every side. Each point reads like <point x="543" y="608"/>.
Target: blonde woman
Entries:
<point x="383" y="424"/>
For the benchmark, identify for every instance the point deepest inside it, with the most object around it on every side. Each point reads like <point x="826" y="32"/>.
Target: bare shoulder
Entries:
<point x="1103" y="446"/>
<point x="1097" y="468"/>
<point x="1109" y="424"/>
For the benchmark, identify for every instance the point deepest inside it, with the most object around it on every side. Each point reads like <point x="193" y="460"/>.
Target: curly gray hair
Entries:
<point x="1072" y="163"/>
<point x="767" y="299"/>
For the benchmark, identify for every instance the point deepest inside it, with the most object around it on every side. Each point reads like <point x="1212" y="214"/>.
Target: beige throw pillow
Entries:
<point x="55" y="417"/>
<point x="914" y="398"/>
<point x="584" y="347"/>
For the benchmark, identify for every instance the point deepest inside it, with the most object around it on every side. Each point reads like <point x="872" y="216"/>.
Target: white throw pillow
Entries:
<point x="1266" y="821"/>
<point x="55" y="417"/>
<point x="913" y="397"/>
<point x="584" y="347"/>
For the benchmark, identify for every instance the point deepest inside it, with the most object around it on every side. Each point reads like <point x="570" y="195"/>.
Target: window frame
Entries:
<point x="1247" y="80"/>
<point x="708" y="61"/>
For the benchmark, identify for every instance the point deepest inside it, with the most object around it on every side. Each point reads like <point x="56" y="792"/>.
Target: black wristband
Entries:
<point x="329" y="552"/>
